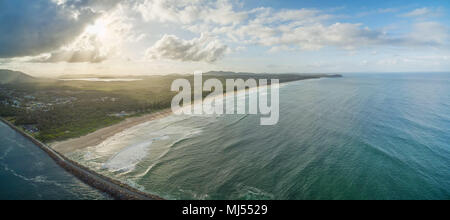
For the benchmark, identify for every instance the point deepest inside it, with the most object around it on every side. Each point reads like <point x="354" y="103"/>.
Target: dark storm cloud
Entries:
<point x="30" y="28"/>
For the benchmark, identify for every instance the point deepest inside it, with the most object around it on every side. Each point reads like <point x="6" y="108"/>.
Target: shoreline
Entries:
<point x="97" y="137"/>
<point x="114" y="188"/>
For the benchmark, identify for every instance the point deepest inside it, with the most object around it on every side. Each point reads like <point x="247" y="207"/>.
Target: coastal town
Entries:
<point x="16" y="99"/>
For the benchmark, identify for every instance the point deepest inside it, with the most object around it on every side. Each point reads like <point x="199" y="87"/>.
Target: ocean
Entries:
<point x="27" y="173"/>
<point x="363" y="136"/>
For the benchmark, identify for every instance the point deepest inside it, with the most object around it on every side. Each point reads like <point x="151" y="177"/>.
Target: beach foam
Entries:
<point x="128" y="158"/>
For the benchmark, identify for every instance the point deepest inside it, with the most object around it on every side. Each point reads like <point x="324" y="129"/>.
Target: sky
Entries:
<point x="135" y="37"/>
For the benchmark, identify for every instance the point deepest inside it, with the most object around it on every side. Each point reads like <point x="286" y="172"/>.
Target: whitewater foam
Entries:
<point x="127" y="159"/>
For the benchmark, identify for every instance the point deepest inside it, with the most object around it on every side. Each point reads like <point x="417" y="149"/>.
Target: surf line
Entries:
<point x="215" y="103"/>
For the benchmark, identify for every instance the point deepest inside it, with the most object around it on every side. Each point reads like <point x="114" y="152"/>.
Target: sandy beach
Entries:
<point x="101" y="135"/>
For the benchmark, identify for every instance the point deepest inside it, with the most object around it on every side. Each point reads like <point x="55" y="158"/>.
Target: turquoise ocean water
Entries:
<point x="363" y="136"/>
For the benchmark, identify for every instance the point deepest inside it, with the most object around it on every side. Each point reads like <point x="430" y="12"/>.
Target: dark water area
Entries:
<point x="27" y="173"/>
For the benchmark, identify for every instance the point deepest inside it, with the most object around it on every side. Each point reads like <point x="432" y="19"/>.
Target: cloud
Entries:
<point x="387" y="10"/>
<point x="205" y="49"/>
<point x="344" y="35"/>
<point x="188" y="11"/>
<point x="311" y="36"/>
<point x="87" y="48"/>
<point x="94" y="30"/>
<point x="291" y="16"/>
<point x="280" y="29"/>
<point x="376" y="11"/>
<point x="423" y="12"/>
<point x="418" y="12"/>
<point x="33" y="27"/>
<point x="294" y="29"/>
<point x="76" y="56"/>
<point x="99" y="41"/>
<point x="430" y="34"/>
<point x="95" y="5"/>
<point x="310" y="29"/>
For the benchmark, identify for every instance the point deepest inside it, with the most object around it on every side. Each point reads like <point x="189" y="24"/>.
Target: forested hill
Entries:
<point x="9" y="76"/>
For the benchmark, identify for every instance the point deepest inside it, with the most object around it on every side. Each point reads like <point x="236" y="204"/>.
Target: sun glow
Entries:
<point x="98" y="29"/>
